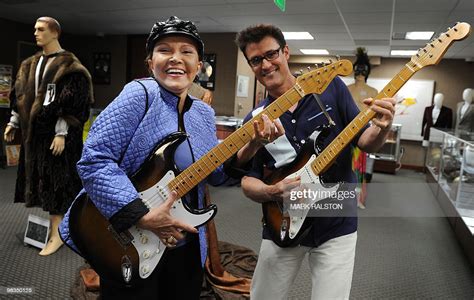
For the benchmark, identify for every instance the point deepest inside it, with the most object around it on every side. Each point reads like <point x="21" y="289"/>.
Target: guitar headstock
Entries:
<point x="317" y="80"/>
<point x="432" y="53"/>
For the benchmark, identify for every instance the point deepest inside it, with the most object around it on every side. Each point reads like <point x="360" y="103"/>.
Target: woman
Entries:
<point x="122" y="138"/>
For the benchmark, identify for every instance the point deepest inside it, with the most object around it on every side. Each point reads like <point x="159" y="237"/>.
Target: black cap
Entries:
<point x="174" y="25"/>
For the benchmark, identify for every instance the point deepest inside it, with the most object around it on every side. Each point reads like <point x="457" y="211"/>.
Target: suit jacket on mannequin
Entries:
<point x="465" y="123"/>
<point x="444" y="120"/>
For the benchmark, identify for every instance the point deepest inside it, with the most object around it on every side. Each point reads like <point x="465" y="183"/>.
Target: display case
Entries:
<point x="450" y="172"/>
<point x="387" y="158"/>
<point x="433" y="155"/>
<point x="456" y="174"/>
<point x="433" y="158"/>
<point x="465" y="194"/>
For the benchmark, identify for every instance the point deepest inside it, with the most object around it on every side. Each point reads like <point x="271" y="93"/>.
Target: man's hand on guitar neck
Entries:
<point x="271" y="131"/>
<point x="159" y="221"/>
<point x="373" y="138"/>
<point x="385" y="110"/>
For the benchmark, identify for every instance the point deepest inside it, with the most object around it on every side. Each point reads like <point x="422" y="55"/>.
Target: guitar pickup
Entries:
<point x="124" y="238"/>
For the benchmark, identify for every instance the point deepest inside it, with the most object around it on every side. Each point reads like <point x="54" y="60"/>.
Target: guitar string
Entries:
<point x="177" y="180"/>
<point x="155" y="197"/>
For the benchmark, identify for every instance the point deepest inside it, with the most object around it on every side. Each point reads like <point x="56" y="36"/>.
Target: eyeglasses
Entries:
<point x="269" y="56"/>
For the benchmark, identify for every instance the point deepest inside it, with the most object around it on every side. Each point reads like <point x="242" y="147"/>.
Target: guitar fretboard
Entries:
<point x="329" y="154"/>
<point x="199" y="170"/>
<point x="313" y="82"/>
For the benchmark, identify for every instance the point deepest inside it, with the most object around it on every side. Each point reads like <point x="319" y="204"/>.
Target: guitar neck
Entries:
<point x="315" y="81"/>
<point x="203" y="167"/>
<point x="329" y="154"/>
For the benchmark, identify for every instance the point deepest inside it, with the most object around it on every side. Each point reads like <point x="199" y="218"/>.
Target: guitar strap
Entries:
<point x="146" y="96"/>
<point x="323" y="109"/>
<point x="144" y="114"/>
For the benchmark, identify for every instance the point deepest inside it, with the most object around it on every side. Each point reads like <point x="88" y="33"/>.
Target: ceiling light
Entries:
<point x="403" y="52"/>
<point x="301" y="35"/>
<point x="314" y="51"/>
<point x="419" y="35"/>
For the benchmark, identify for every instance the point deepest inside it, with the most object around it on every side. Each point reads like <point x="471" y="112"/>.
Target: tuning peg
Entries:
<point x="316" y="65"/>
<point x="309" y="68"/>
<point x="338" y="57"/>
<point x="330" y="61"/>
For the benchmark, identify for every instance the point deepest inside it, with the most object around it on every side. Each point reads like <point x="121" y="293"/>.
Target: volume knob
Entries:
<point x="145" y="269"/>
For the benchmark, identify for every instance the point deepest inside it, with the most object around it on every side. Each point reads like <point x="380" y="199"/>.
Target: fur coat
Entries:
<point x="44" y="180"/>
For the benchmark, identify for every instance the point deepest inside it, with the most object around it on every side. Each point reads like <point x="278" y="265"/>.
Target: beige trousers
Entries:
<point x="331" y="264"/>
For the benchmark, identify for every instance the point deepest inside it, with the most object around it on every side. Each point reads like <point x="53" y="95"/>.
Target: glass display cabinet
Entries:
<point x="433" y="156"/>
<point x="450" y="174"/>
<point x="450" y="165"/>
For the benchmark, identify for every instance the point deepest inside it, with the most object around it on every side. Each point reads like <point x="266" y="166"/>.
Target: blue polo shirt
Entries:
<point x="299" y="125"/>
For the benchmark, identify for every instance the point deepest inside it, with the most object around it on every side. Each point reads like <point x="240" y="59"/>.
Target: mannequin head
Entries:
<point x="361" y="65"/>
<point x="438" y="100"/>
<point x="467" y="96"/>
<point x="47" y="31"/>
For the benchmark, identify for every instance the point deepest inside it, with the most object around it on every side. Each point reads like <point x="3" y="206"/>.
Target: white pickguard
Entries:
<point x="297" y="216"/>
<point x="148" y="245"/>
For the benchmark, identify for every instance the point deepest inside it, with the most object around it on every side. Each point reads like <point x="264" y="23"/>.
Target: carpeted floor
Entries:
<point x="400" y="254"/>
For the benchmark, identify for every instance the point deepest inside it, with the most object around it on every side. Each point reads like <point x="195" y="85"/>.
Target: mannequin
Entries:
<point x="362" y="164"/>
<point x="465" y="114"/>
<point x="201" y="93"/>
<point x="50" y="103"/>
<point x="436" y="115"/>
<point x="360" y="90"/>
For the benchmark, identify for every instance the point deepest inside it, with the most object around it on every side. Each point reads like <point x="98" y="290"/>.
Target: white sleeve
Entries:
<point x="61" y="127"/>
<point x="14" y="120"/>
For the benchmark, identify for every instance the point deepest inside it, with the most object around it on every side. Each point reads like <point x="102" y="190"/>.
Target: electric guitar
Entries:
<point x="288" y="226"/>
<point x="131" y="256"/>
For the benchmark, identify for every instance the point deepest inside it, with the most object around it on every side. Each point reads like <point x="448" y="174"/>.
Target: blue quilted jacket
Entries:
<point x="125" y="130"/>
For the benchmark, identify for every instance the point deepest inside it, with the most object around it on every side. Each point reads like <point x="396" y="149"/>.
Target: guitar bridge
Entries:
<point x="124" y="238"/>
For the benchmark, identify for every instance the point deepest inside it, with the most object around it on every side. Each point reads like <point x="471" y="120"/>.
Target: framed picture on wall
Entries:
<point x="207" y="74"/>
<point x="411" y="99"/>
<point x="260" y="93"/>
<point x="101" y="73"/>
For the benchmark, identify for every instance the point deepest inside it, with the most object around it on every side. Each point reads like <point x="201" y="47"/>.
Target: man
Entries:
<point x="331" y="241"/>
<point x="50" y="103"/>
